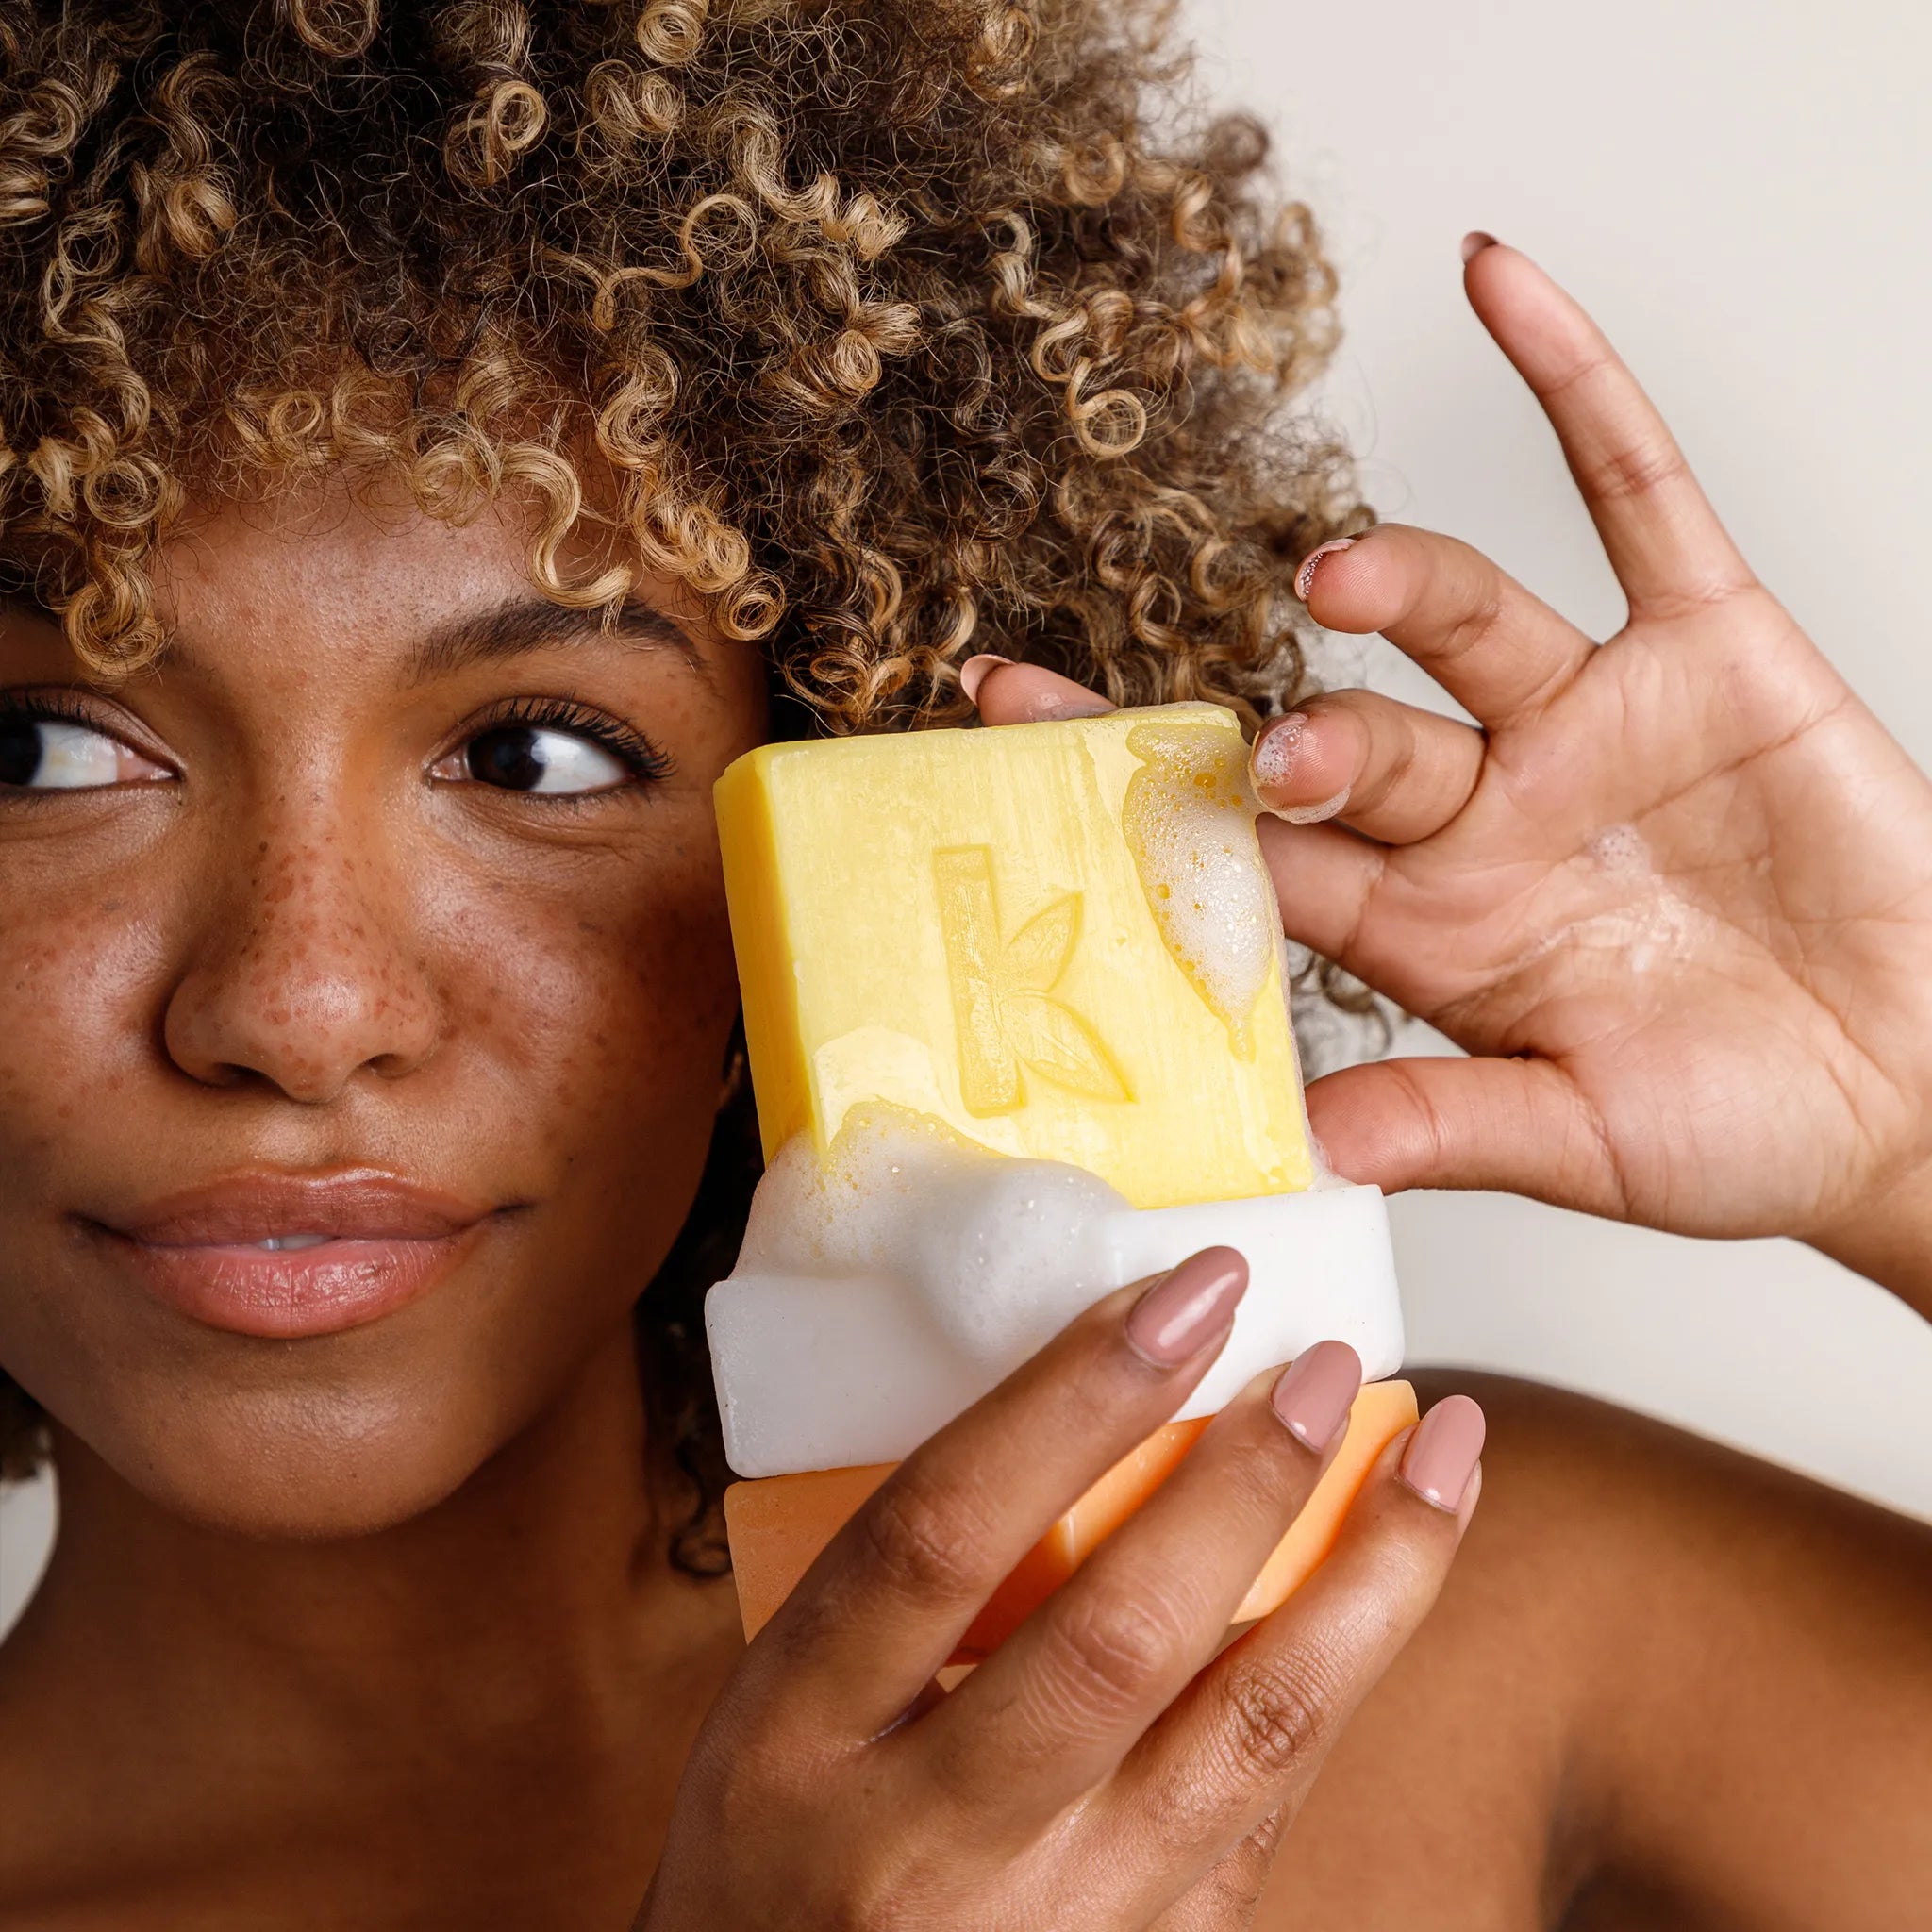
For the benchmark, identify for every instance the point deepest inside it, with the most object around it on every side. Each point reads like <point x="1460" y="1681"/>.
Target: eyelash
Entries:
<point x="50" y="708"/>
<point x="631" y="748"/>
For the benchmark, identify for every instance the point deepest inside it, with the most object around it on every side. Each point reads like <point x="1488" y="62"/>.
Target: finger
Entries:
<point x="1225" y="1900"/>
<point x="1348" y="898"/>
<point x="882" y="1608"/>
<point x="1391" y="771"/>
<point x="1664" y="540"/>
<point x="1496" y="649"/>
<point x="1250" y="1733"/>
<point x="1063" y="1700"/>
<point x="1009" y="693"/>
<point x="1324" y="877"/>
<point x="1519" y="1126"/>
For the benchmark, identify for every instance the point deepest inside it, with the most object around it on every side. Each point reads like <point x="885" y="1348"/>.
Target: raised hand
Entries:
<point x="1674" y="895"/>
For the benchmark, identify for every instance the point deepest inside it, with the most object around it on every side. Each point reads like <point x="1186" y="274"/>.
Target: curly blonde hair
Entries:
<point x="896" y="329"/>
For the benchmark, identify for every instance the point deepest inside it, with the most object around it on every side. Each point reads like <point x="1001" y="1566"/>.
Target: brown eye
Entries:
<point x="525" y="757"/>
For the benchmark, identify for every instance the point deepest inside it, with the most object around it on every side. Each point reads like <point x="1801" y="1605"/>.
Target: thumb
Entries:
<point x="1520" y="1125"/>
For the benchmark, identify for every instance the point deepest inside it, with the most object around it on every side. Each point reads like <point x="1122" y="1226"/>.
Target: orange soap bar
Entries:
<point x="778" y="1524"/>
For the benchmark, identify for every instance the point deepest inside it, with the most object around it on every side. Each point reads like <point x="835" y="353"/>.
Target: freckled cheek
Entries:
<point x="75" y="986"/>
<point x="611" y="1014"/>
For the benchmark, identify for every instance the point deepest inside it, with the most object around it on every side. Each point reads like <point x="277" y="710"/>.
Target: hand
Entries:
<point x="1676" y="895"/>
<point x="1104" y="1770"/>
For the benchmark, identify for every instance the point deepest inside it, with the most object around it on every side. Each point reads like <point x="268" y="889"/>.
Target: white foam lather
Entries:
<point x="822" y="1365"/>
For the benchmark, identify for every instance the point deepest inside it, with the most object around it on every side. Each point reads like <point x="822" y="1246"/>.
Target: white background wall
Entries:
<point x="1741" y="191"/>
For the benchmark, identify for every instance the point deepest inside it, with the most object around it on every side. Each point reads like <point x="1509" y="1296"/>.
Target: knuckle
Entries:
<point x="922" y="1539"/>
<point x="1635" y="470"/>
<point x="1588" y="367"/>
<point x="1108" y="1653"/>
<point x="1478" y="618"/>
<point x="1241" y="1877"/>
<point x="1258" y="1848"/>
<point x="1391" y="768"/>
<point x="1277" y="1717"/>
<point x="747" y="1776"/>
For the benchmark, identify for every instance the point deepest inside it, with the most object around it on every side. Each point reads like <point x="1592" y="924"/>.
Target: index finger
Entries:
<point x="887" y="1601"/>
<point x="1664" y="540"/>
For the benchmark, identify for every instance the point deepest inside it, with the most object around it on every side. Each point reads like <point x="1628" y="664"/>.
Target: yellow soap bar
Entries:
<point x="1057" y="938"/>
<point x="778" y="1525"/>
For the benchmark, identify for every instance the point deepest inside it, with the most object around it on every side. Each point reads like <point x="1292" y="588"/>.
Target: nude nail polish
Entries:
<point x="1315" y="1392"/>
<point x="1443" y="1451"/>
<point x="1305" y="576"/>
<point x="1182" y="1312"/>
<point x="1474" y="242"/>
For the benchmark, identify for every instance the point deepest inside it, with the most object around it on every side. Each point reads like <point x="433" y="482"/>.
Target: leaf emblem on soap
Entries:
<point x="1007" y="1020"/>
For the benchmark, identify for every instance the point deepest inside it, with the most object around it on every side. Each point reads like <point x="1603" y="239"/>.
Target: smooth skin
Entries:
<point x="454" y="1683"/>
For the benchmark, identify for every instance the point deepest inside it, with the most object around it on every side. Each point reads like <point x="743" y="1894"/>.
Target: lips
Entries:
<point x="289" y="1255"/>
<point x="356" y="1204"/>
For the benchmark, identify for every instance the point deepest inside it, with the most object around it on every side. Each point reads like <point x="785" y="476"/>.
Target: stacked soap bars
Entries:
<point x="1018" y="1035"/>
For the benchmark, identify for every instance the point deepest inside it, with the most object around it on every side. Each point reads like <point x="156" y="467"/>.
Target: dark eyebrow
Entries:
<point x="518" y="625"/>
<point x="530" y="624"/>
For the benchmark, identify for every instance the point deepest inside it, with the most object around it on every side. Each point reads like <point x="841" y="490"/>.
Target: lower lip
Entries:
<point x="295" y="1292"/>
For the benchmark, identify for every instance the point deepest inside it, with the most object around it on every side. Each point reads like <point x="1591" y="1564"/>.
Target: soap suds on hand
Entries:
<point x="1653" y="927"/>
<point x="1189" y="819"/>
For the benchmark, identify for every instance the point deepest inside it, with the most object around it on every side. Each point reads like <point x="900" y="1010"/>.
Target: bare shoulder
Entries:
<point x="1666" y="1685"/>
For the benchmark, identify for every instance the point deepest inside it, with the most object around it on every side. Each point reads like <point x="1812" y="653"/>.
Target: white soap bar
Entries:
<point x="971" y="1265"/>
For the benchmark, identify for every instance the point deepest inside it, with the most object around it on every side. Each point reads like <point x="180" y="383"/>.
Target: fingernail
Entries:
<point x="1272" y="763"/>
<point x="1314" y="1394"/>
<point x="1304" y="577"/>
<point x="1276" y="752"/>
<point x="1313" y="814"/>
<point x="972" y="672"/>
<point x="1443" y="1451"/>
<point x="1474" y="242"/>
<point x="1175" y="1319"/>
<point x="1048" y="707"/>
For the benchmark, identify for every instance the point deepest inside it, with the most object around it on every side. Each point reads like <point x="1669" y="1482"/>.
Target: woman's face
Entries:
<point x="364" y="992"/>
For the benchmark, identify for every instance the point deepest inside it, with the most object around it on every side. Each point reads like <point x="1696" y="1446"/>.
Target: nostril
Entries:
<point x="302" y="1027"/>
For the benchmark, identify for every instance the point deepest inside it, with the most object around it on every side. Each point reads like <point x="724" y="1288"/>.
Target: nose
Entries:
<point x="306" y="973"/>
